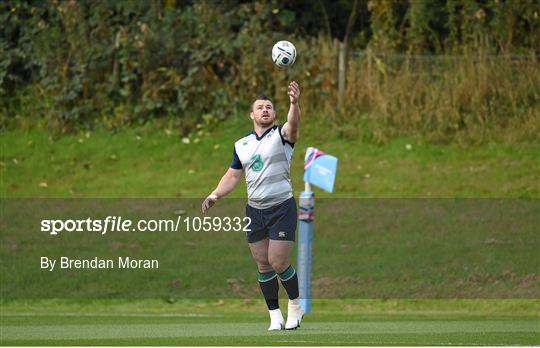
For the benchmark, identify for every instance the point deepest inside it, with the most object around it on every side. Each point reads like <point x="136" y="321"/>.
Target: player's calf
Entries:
<point x="270" y="288"/>
<point x="295" y="313"/>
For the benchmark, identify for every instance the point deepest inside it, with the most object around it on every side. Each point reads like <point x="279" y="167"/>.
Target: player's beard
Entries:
<point x="266" y="122"/>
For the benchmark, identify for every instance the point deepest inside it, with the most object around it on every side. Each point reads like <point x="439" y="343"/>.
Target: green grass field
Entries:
<point x="497" y="263"/>
<point x="235" y="322"/>
<point x="149" y="162"/>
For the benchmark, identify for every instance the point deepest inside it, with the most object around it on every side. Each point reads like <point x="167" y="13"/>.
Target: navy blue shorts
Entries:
<point x="277" y="223"/>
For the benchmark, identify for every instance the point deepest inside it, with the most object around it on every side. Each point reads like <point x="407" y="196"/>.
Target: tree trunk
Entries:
<point x="342" y="71"/>
<point x="343" y="54"/>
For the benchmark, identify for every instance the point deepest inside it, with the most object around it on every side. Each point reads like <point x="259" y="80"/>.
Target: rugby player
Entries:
<point x="264" y="155"/>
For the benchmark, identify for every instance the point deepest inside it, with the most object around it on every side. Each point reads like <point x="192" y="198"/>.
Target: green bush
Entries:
<point x="80" y="64"/>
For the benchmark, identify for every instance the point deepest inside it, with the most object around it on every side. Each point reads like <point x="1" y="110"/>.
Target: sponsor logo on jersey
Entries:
<point x="257" y="164"/>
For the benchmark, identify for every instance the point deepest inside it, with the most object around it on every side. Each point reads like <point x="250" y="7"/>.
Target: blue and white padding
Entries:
<point x="305" y="245"/>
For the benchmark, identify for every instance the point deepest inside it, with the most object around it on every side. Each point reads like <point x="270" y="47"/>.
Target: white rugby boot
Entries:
<point x="276" y="320"/>
<point x="294" y="315"/>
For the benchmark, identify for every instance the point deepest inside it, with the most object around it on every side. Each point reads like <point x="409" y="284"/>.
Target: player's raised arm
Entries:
<point x="226" y="185"/>
<point x="290" y="130"/>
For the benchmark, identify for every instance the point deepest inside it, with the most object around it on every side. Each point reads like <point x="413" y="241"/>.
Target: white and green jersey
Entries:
<point x="266" y="161"/>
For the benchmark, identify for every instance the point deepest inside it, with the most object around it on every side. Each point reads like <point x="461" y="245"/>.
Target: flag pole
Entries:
<point x="305" y="245"/>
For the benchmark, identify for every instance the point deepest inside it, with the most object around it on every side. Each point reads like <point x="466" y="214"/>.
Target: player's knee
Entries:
<point x="261" y="258"/>
<point x="279" y="265"/>
<point x="264" y="267"/>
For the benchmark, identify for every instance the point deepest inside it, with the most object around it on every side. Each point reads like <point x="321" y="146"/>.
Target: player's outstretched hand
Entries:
<point x="294" y="92"/>
<point x="209" y="203"/>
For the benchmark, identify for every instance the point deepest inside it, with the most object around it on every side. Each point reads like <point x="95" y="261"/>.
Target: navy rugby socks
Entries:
<point x="289" y="280"/>
<point x="270" y="288"/>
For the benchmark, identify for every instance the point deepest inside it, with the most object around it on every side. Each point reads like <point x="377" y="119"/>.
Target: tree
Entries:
<point x="343" y="34"/>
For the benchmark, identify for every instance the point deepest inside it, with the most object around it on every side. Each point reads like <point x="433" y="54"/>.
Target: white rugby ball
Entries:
<point x="284" y="54"/>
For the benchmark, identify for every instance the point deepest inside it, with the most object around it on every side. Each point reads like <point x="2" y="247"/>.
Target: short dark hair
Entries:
<point x="260" y="97"/>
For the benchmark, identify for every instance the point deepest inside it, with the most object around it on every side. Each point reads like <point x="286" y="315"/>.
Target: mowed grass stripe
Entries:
<point x="152" y="330"/>
<point x="162" y="315"/>
<point x="355" y="340"/>
<point x="298" y="338"/>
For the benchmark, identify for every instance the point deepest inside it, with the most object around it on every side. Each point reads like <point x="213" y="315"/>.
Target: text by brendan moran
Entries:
<point x="97" y="263"/>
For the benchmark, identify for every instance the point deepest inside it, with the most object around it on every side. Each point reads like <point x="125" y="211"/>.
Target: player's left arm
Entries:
<point x="291" y="129"/>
